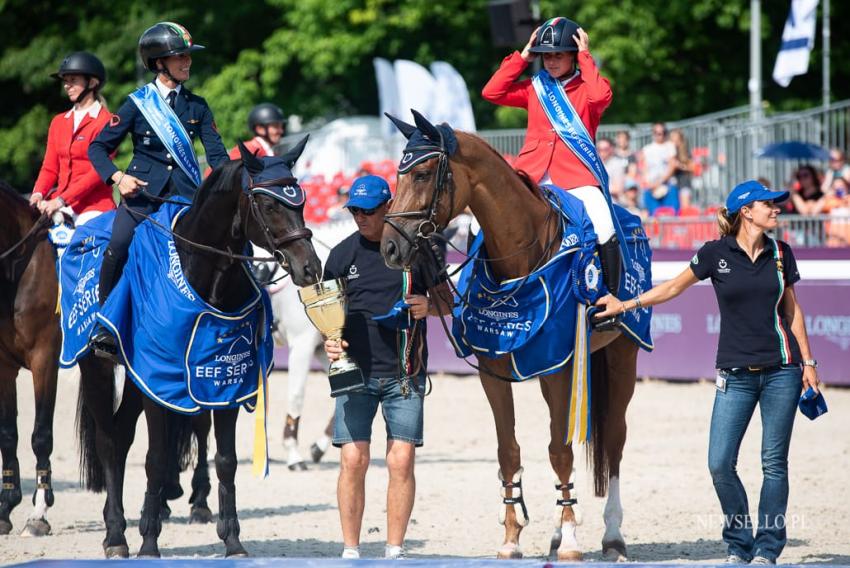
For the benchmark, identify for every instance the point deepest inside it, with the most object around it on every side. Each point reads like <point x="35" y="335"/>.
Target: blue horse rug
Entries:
<point x="540" y="320"/>
<point x="182" y="352"/>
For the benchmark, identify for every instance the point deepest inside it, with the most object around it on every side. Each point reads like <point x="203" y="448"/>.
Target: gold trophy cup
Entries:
<point x="326" y="306"/>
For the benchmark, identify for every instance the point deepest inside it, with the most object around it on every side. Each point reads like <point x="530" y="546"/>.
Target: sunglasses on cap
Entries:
<point x="361" y="211"/>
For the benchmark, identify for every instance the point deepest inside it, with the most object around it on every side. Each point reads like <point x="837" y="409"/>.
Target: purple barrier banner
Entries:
<point x="685" y="334"/>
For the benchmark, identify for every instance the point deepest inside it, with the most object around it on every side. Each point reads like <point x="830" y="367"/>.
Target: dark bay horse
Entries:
<point x="227" y="213"/>
<point x="29" y="338"/>
<point x="520" y="234"/>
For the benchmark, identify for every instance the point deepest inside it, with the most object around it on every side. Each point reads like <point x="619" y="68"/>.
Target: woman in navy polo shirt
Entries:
<point x="763" y="357"/>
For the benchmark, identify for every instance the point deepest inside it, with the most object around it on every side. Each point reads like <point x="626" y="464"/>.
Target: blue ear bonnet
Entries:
<point x="275" y="180"/>
<point x="421" y="147"/>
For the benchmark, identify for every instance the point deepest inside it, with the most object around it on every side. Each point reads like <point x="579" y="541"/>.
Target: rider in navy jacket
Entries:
<point x="165" y="50"/>
<point x="151" y="161"/>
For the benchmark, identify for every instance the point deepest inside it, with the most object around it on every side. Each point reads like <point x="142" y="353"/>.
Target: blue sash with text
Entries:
<point x="168" y="128"/>
<point x="180" y="351"/>
<point x="571" y="130"/>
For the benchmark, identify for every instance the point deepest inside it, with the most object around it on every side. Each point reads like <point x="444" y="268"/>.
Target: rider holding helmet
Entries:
<point x="66" y="165"/>
<point x="545" y="156"/>
<point x="266" y="122"/>
<point x="163" y="165"/>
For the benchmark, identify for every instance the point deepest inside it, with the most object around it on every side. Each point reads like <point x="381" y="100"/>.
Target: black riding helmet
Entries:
<point x="82" y="63"/>
<point x="164" y="40"/>
<point x="556" y="35"/>
<point x="264" y="114"/>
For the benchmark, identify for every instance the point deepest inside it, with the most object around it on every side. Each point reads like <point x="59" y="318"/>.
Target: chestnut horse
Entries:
<point x="520" y="235"/>
<point x="29" y="338"/>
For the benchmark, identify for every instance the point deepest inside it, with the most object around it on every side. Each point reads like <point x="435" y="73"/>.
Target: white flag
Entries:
<point x="798" y="39"/>
<point x="452" y="100"/>
<point x="387" y="95"/>
<point x="416" y="89"/>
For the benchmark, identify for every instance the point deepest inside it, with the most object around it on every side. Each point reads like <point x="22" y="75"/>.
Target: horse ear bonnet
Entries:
<point x="425" y="142"/>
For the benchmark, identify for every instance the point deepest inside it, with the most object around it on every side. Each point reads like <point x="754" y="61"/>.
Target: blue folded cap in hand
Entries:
<point x="812" y="404"/>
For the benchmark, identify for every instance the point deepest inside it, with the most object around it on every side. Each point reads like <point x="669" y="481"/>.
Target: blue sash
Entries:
<point x="78" y="269"/>
<point x="568" y="125"/>
<point x="181" y="352"/>
<point x="168" y="128"/>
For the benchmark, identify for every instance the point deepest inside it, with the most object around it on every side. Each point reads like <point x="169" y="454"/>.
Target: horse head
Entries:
<point x="428" y="195"/>
<point x="275" y="216"/>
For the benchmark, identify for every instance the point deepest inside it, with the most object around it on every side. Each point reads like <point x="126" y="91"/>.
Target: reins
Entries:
<point x="428" y="221"/>
<point x="39" y="224"/>
<point x="254" y="210"/>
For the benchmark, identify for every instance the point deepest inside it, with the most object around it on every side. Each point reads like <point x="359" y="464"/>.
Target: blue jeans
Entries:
<point x="777" y="392"/>
<point x="355" y="411"/>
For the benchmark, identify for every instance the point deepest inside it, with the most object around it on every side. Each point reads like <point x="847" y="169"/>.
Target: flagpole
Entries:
<point x="826" y="48"/>
<point x="754" y="84"/>
<point x="755" y="60"/>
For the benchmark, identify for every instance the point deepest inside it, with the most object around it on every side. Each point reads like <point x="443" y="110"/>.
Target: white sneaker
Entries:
<point x="735" y="559"/>
<point x="762" y="560"/>
<point x="351" y="552"/>
<point x="393" y="552"/>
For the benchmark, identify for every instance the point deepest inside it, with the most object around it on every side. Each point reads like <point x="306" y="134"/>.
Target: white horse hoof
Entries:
<point x="36" y="527"/>
<point x="509" y="551"/>
<point x="569" y="556"/>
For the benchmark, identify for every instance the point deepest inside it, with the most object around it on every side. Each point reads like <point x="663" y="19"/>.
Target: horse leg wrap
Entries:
<point x="516" y="498"/>
<point x="150" y="523"/>
<point x="10" y="496"/>
<point x="572" y="501"/>
<point x="228" y="523"/>
<point x="43" y="482"/>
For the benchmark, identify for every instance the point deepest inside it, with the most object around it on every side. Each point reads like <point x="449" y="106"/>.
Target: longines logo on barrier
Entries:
<point x="835" y="329"/>
<point x="662" y="324"/>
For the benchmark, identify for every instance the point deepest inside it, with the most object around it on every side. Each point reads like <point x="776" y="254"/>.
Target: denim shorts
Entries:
<point x="355" y="411"/>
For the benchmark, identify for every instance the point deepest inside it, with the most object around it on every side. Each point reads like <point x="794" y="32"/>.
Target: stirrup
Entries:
<point x="104" y="345"/>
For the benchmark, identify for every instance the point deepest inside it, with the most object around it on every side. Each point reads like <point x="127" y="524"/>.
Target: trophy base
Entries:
<point x="347" y="381"/>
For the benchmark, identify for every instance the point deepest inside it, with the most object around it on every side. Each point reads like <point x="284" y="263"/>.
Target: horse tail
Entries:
<point x="182" y="432"/>
<point x="92" y="475"/>
<point x="597" y="451"/>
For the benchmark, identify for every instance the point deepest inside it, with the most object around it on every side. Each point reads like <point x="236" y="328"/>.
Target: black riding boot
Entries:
<point x="102" y="342"/>
<point x="612" y="266"/>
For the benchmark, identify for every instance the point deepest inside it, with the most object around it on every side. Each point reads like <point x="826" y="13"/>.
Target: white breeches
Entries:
<point x="596" y="207"/>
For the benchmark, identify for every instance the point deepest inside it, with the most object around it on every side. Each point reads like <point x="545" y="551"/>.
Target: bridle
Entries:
<point x="428" y="225"/>
<point x="292" y="236"/>
<point x="254" y="212"/>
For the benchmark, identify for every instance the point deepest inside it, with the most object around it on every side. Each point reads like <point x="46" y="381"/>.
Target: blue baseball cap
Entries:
<point x="749" y="191"/>
<point x="368" y="192"/>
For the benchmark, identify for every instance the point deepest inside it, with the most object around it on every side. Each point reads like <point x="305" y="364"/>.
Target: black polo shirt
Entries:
<point x="372" y="290"/>
<point x="753" y="328"/>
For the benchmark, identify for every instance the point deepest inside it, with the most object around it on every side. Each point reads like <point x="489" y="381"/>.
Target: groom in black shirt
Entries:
<point x="372" y="290"/>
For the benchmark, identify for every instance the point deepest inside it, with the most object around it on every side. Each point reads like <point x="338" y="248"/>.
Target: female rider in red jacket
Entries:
<point x="544" y="156"/>
<point x="67" y="178"/>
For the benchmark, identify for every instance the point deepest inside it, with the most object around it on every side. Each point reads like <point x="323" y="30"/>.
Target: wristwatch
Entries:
<point x="810" y="363"/>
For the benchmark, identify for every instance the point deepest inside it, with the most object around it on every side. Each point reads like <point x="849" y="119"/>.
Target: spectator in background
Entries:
<point x="616" y="166"/>
<point x="806" y="195"/>
<point x="684" y="166"/>
<point x="838" y="204"/>
<point x="623" y="150"/>
<point x="658" y="166"/>
<point x="838" y="168"/>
